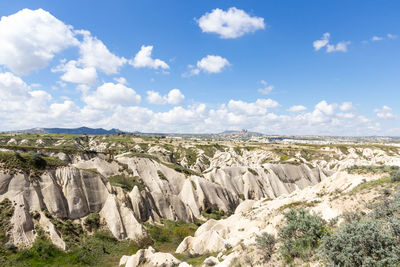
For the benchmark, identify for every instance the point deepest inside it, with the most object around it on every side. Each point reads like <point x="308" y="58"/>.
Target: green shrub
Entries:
<point x="213" y="213"/>
<point x="127" y="182"/>
<point x="168" y="236"/>
<point x="362" y="243"/>
<point x="267" y="243"/>
<point x="301" y="234"/>
<point x="161" y="175"/>
<point x="395" y="176"/>
<point x="38" y="162"/>
<point x="252" y="171"/>
<point x="92" y="221"/>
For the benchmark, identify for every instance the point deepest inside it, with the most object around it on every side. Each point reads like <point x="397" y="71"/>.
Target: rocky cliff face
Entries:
<point x="73" y="193"/>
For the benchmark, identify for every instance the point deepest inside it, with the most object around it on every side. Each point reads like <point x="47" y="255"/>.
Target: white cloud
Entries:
<point x="174" y="97"/>
<point x="318" y="44"/>
<point x="75" y="74"/>
<point x="84" y="88"/>
<point x="109" y="95"/>
<point x="260" y="107"/>
<point x="339" y="47"/>
<point x="384" y="113"/>
<point x="12" y="87"/>
<point x="208" y="64"/>
<point x="377" y="38"/>
<point x="297" y="108"/>
<point x="324" y="107"/>
<point x="232" y="23"/>
<point x="155" y="98"/>
<point x="391" y="36"/>
<point x="121" y="80"/>
<point x="325" y="42"/>
<point x="29" y="39"/>
<point x="212" y="64"/>
<point x="267" y="88"/>
<point x="95" y="54"/>
<point x="346" y="106"/>
<point x="114" y="105"/>
<point x="143" y="59"/>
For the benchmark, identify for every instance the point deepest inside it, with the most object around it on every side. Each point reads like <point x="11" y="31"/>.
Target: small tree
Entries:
<point x="267" y="243"/>
<point x="301" y="234"/>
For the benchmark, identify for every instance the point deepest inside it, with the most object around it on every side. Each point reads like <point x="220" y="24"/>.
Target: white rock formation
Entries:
<point x="150" y="258"/>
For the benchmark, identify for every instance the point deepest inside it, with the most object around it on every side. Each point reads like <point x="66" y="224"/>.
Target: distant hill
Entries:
<point x="80" y="130"/>
<point x="243" y="133"/>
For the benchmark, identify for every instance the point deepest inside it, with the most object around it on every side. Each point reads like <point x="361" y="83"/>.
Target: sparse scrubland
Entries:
<point x="88" y="200"/>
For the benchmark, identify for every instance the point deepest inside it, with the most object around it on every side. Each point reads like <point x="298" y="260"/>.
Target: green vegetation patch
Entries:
<point x="372" y="169"/>
<point x="371" y="239"/>
<point x="209" y="150"/>
<point x="213" y="213"/>
<point x="161" y="175"/>
<point x="99" y="249"/>
<point x="181" y="169"/>
<point x="127" y="182"/>
<point x="301" y="234"/>
<point x="168" y="236"/>
<point x="297" y="204"/>
<point x="25" y="162"/>
<point x="6" y="212"/>
<point x="252" y="171"/>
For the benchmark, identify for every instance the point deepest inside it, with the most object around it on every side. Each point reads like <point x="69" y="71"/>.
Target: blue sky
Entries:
<point x="269" y="43"/>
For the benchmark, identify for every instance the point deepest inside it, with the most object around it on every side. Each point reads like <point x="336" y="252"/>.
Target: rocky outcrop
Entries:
<point x="253" y="217"/>
<point x="66" y="193"/>
<point x="150" y="258"/>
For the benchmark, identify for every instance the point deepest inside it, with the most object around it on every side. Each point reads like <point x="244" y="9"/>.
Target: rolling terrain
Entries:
<point x="196" y="201"/>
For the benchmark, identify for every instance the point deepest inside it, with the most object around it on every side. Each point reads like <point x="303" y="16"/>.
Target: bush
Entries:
<point x="395" y="176"/>
<point x="363" y="243"/>
<point x="92" y="221"/>
<point x="38" y="162"/>
<point x="267" y="243"/>
<point x="301" y="234"/>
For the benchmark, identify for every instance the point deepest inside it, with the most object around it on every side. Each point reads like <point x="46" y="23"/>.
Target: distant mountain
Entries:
<point x="80" y="130"/>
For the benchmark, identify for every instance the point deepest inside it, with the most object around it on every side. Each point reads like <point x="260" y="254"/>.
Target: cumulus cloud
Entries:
<point x="174" y="97"/>
<point x="143" y="59"/>
<point x="93" y="53"/>
<point x="297" y="108"/>
<point x="325" y="42"/>
<point x="318" y="44"/>
<point x="115" y="105"/>
<point x="29" y="39"/>
<point x="12" y="87"/>
<point x="232" y="23"/>
<point x="384" y="113"/>
<point x="346" y="106"/>
<point x="75" y="74"/>
<point x="109" y="95"/>
<point x="155" y="98"/>
<point x="260" y="107"/>
<point x="208" y="64"/>
<point x="266" y="89"/>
